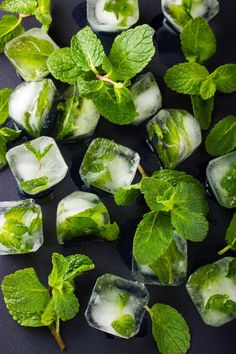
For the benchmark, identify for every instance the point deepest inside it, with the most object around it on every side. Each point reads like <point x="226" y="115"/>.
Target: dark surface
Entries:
<point x="113" y="258"/>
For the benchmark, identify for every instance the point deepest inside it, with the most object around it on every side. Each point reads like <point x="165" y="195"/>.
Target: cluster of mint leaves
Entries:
<point x="10" y="25"/>
<point x="31" y="304"/>
<point x="105" y="79"/>
<point x="192" y="78"/>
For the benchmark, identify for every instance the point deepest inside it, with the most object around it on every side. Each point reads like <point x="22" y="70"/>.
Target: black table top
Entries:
<point x="115" y="257"/>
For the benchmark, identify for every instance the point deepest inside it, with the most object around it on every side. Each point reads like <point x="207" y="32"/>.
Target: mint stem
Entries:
<point x="141" y="171"/>
<point x="57" y="337"/>
<point x="224" y="250"/>
<point x="103" y="78"/>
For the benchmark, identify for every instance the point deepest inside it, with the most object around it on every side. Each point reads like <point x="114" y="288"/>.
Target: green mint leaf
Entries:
<point x="179" y="14"/>
<point x="9" y="29"/>
<point x="131" y="51"/>
<point x="4" y="100"/>
<point x="228" y="182"/>
<point x="3" y="151"/>
<point x="230" y="236"/>
<point x="222" y="138"/>
<point x="37" y="153"/>
<point x="207" y="89"/>
<point x="127" y="195"/>
<point x="25" y="297"/>
<point x="198" y="40"/>
<point x="224" y="78"/>
<point x="43" y="13"/>
<point x="174" y="177"/>
<point x="186" y="78"/>
<point x="25" y="7"/>
<point x="8" y="134"/>
<point x="191" y="225"/>
<point x="152" y="238"/>
<point x="34" y="185"/>
<point x="202" y="110"/>
<point x="221" y="303"/>
<point x="87" y="50"/>
<point x="109" y="232"/>
<point x="169" y="330"/>
<point x="125" y="325"/>
<point x="63" y="67"/>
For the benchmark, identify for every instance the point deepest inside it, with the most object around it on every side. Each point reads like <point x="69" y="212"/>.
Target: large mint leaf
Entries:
<point x="9" y="29"/>
<point x="224" y="78"/>
<point x="202" y="110"/>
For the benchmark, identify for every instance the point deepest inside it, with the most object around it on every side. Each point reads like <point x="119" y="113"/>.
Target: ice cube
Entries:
<point x="116" y="306"/>
<point x="78" y="117"/>
<point x="221" y="175"/>
<point x="30" y="106"/>
<point x="170" y="269"/>
<point x="37" y="165"/>
<point x="29" y="53"/>
<point x="175" y="135"/>
<point x="147" y="97"/>
<point x="212" y="288"/>
<point x="112" y="15"/>
<point x="109" y="166"/>
<point x="20" y="227"/>
<point x="78" y="214"/>
<point x="179" y="12"/>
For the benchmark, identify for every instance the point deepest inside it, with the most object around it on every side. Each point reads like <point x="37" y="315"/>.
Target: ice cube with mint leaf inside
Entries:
<point x="169" y="270"/>
<point x="20" y="227"/>
<point x="212" y="289"/>
<point x="179" y="12"/>
<point x="83" y="214"/>
<point x="117" y="306"/>
<point x="29" y="52"/>
<point x="37" y="165"/>
<point x="31" y="107"/>
<point x="78" y="117"/>
<point x="112" y="15"/>
<point x="109" y="166"/>
<point x="175" y="135"/>
<point x="221" y="175"/>
<point x="147" y="97"/>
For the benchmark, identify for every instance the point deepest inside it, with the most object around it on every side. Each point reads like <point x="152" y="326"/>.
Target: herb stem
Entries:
<point x="103" y="78"/>
<point x="141" y="171"/>
<point x="224" y="250"/>
<point x="57" y="337"/>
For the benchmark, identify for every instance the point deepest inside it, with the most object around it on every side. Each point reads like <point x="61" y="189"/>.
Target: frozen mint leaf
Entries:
<point x="109" y="232"/>
<point x="221" y="303"/>
<point x="191" y="225"/>
<point x="131" y="51"/>
<point x="224" y="78"/>
<point x="43" y="13"/>
<point x="124" y="325"/>
<point x="87" y="50"/>
<point x="34" y="185"/>
<point x="198" y="40"/>
<point x="180" y="14"/>
<point x="222" y="138"/>
<point x="186" y="78"/>
<point x="25" y="7"/>
<point x="207" y="89"/>
<point x="123" y="300"/>
<point x="25" y="297"/>
<point x="9" y="29"/>
<point x="152" y="238"/>
<point x="4" y="101"/>
<point x="169" y="330"/>
<point x="228" y="182"/>
<point x="204" y="277"/>
<point x="121" y="9"/>
<point x="38" y="153"/>
<point x="127" y="194"/>
<point x="63" y="67"/>
<point x="202" y="110"/>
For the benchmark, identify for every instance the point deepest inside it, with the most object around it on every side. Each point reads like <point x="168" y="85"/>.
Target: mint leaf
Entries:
<point x="25" y="297"/>
<point x="6" y="135"/>
<point x="131" y="51"/>
<point x="174" y="177"/>
<point x="63" y="67"/>
<point x="37" y="153"/>
<point x="43" y="13"/>
<point x="169" y="330"/>
<point x="109" y="232"/>
<point x="4" y="101"/>
<point x="202" y="110"/>
<point x="198" y="40"/>
<point x="127" y="194"/>
<point x="87" y="50"/>
<point x="221" y="303"/>
<point x="9" y="29"/>
<point x="125" y="325"/>
<point x="34" y="185"/>
<point x="25" y="7"/>
<point x="152" y="238"/>
<point x="222" y="138"/>
<point x="224" y="78"/>
<point x="186" y="78"/>
<point x="230" y="236"/>
<point x="191" y="225"/>
<point x="207" y="89"/>
<point x="180" y="14"/>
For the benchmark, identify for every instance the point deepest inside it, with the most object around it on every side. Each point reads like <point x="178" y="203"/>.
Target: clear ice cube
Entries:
<point x="30" y="106"/>
<point x="147" y="97"/>
<point x="108" y="166"/>
<point x="170" y="269"/>
<point x="175" y="135"/>
<point x="221" y="175"/>
<point x="29" y="52"/>
<point x="112" y="15"/>
<point x="212" y="289"/>
<point x="178" y="12"/>
<point x="117" y="306"/>
<point x="37" y="165"/>
<point x="20" y="227"/>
